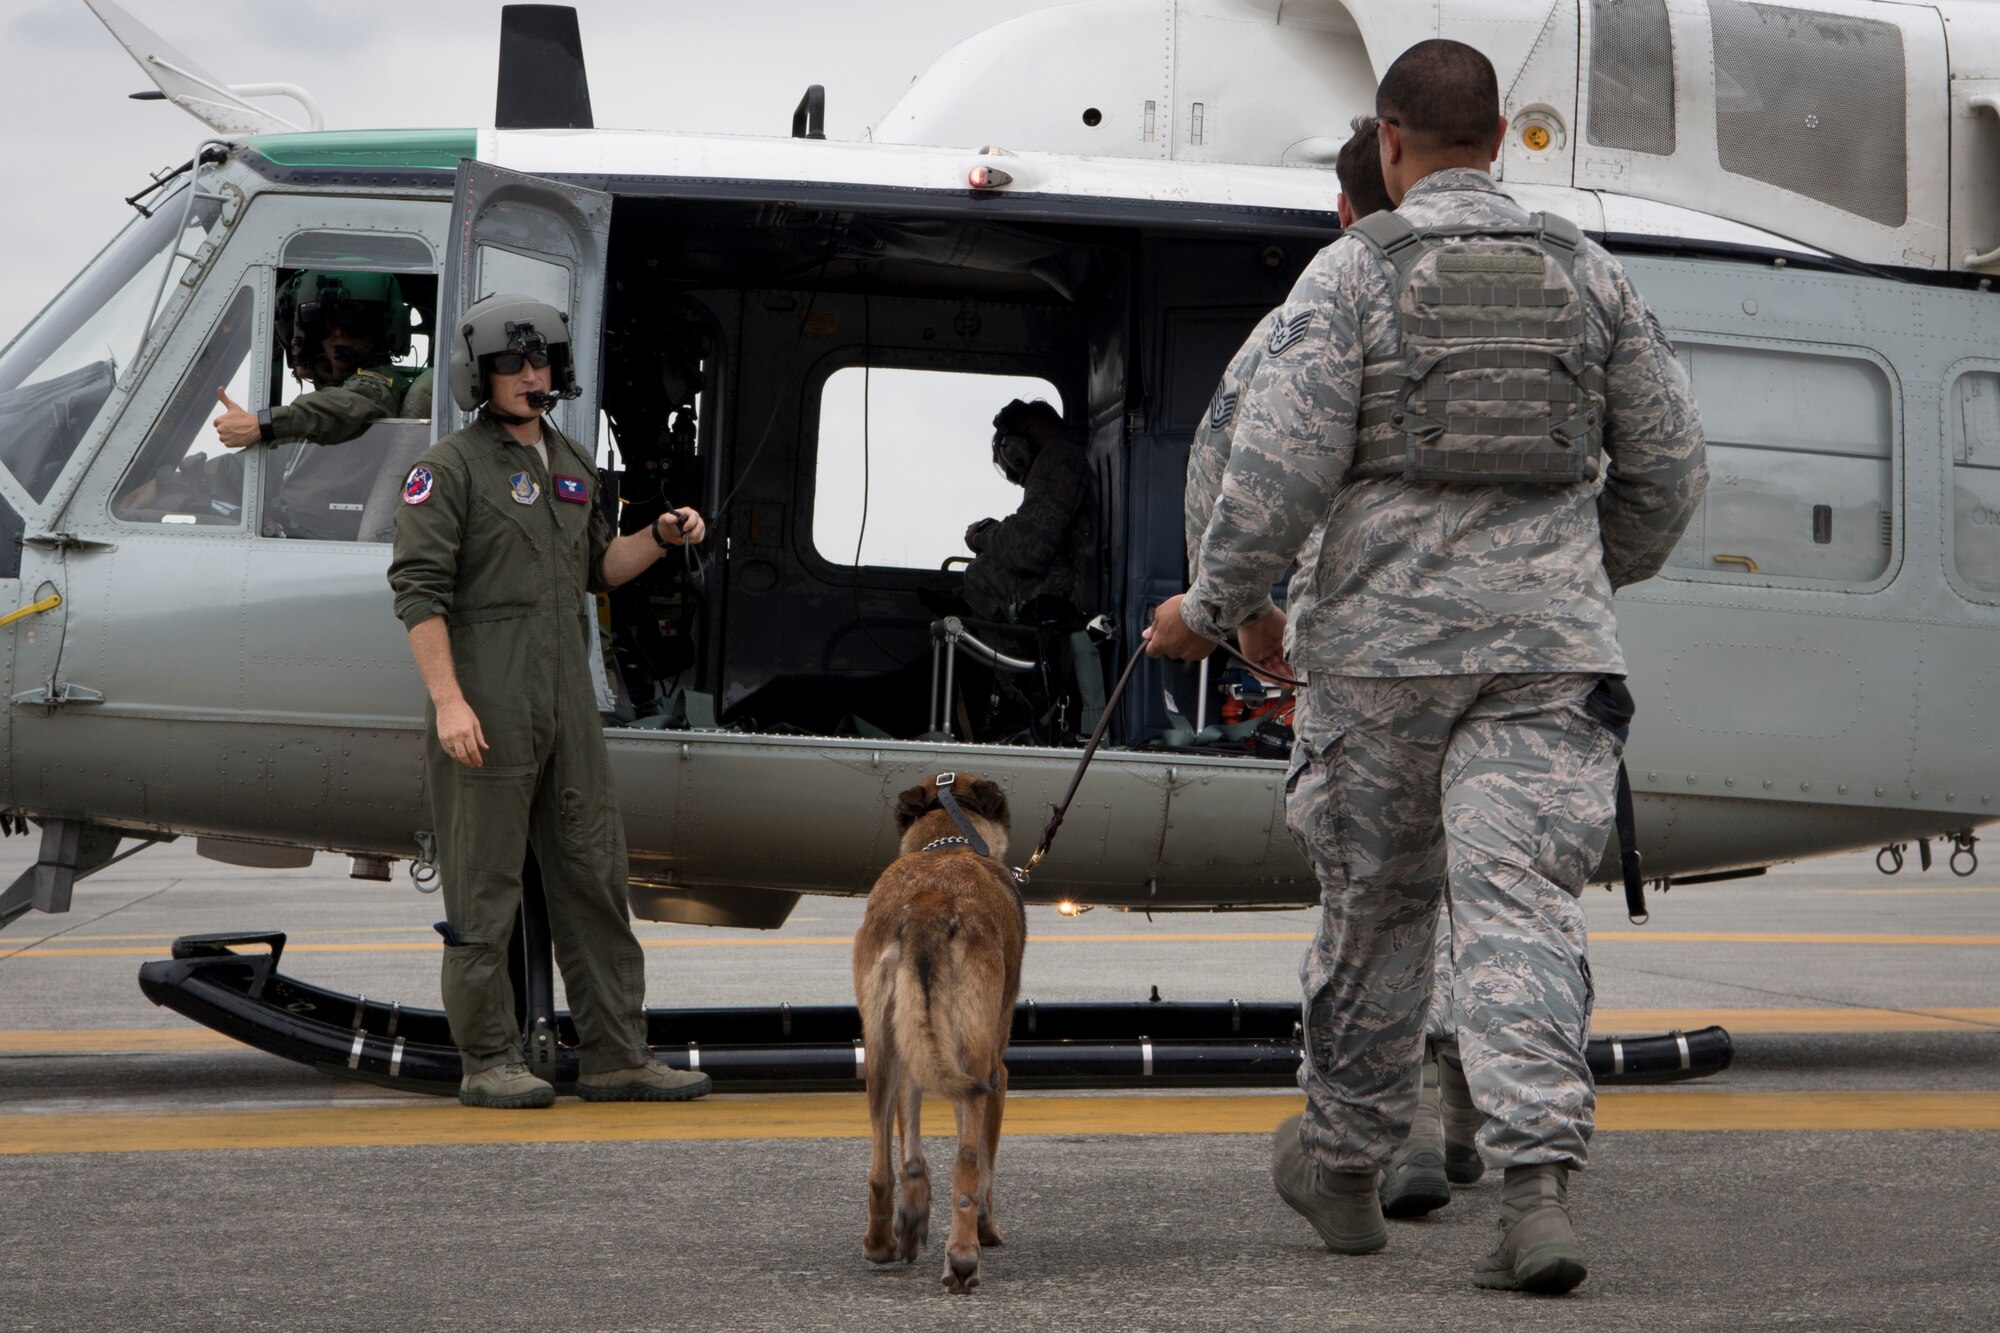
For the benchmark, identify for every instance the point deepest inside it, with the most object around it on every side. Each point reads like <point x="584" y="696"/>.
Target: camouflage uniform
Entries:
<point x="1037" y="550"/>
<point x="1449" y="634"/>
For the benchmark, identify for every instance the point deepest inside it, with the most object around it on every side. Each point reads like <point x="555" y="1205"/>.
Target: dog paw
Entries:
<point x="961" y="1273"/>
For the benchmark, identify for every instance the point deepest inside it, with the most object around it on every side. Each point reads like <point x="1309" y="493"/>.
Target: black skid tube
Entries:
<point x="1156" y="1043"/>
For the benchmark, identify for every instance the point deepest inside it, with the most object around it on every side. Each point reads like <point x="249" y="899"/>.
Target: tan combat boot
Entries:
<point x="650" y="1082"/>
<point x="1342" y="1205"/>
<point x="1462" y="1164"/>
<point x="1537" y="1250"/>
<point x="1415" y="1181"/>
<point x="505" y="1088"/>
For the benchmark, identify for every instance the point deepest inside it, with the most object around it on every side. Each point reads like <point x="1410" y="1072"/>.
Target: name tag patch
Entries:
<point x="417" y="486"/>
<point x="571" y="489"/>
<point x="526" y="490"/>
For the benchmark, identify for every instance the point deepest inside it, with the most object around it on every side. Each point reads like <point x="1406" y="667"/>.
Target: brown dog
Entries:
<point x="937" y="966"/>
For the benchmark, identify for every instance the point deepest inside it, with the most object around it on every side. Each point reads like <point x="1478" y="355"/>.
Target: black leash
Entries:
<point x="1076" y="779"/>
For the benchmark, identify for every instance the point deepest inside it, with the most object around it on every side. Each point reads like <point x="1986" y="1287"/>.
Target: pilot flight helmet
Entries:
<point x="315" y="302"/>
<point x="1014" y="443"/>
<point x="508" y="322"/>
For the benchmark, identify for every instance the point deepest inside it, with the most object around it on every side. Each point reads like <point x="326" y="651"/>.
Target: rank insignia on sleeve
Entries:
<point x="525" y="488"/>
<point x="1287" y="332"/>
<point x="417" y="486"/>
<point x="571" y="489"/>
<point x="1222" y="409"/>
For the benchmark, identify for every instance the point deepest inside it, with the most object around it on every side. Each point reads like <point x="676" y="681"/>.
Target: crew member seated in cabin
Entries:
<point x="341" y="333"/>
<point x="1026" y="565"/>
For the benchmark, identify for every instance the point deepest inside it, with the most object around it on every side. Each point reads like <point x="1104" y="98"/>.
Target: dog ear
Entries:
<point x="910" y="806"/>
<point x="985" y="798"/>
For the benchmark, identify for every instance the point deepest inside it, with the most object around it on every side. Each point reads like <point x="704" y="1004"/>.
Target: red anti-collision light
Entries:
<point x="988" y="178"/>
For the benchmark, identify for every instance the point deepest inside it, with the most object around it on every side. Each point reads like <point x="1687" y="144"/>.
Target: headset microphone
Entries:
<point x="542" y="401"/>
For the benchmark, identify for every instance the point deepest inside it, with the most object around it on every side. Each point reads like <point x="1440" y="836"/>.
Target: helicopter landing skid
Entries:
<point x="783" y="1047"/>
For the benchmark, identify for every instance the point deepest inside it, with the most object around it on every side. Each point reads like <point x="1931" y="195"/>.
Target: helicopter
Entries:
<point x="804" y="338"/>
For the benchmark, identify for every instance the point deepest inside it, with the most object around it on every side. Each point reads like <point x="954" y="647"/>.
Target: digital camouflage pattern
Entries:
<point x="1208" y="454"/>
<point x="1497" y="791"/>
<point x="1429" y="578"/>
<point x="1037" y="551"/>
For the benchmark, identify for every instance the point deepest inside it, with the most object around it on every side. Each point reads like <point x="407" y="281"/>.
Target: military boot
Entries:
<point x="1342" y="1205"/>
<point x="1462" y="1164"/>
<point x="1415" y="1181"/>
<point x="506" y="1088"/>
<point x="650" y="1082"/>
<point x="1537" y="1250"/>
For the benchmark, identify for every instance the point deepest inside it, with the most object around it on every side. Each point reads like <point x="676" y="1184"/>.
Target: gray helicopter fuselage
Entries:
<point x="1811" y="668"/>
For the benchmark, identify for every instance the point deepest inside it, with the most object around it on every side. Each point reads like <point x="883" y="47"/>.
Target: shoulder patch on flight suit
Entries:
<point x="571" y="489"/>
<point x="526" y="489"/>
<point x="417" y="486"/>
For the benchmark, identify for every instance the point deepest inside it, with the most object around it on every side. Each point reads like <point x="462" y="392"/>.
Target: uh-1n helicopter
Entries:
<point x="791" y="333"/>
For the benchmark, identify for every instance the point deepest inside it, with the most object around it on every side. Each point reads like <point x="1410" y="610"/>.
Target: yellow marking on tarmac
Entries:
<point x="1606" y="1022"/>
<point x="1162" y="937"/>
<point x="844" y="1116"/>
<point x="114" y="1041"/>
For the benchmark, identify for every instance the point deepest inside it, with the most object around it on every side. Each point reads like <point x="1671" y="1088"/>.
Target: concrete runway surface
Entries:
<point x="1844" y="1174"/>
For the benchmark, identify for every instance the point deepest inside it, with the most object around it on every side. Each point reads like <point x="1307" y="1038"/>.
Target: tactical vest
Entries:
<point x="1492" y="382"/>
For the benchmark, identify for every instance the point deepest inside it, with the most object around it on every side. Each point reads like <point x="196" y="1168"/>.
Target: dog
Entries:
<point x="937" y="967"/>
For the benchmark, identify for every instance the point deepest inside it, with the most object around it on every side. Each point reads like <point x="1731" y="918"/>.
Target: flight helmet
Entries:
<point x="509" y="322"/>
<point x="314" y="302"/>
<point x="1014" y="444"/>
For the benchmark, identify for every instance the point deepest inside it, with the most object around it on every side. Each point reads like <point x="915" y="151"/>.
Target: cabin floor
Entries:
<point x="155" y="1166"/>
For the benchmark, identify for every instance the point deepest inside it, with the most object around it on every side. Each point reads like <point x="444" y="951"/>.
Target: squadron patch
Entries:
<point x="526" y="489"/>
<point x="1285" y="333"/>
<point x="571" y="489"/>
<point x="1223" y="409"/>
<point x="417" y="486"/>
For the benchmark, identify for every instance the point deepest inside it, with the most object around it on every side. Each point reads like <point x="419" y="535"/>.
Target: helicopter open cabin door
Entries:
<point x="541" y="238"/>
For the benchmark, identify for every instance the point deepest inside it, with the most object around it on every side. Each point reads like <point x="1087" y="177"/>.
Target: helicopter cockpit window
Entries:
<point x="58" y="373"/>
<point x="183" y="474"/>
<point x="1801" y="466"/>
<point x="1973" y="423"/>
<point x="353" y="323"/>
<point x="906" y="463"/>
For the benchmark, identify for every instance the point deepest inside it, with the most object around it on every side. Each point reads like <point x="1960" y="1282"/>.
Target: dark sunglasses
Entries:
<point x="510" y="363"/>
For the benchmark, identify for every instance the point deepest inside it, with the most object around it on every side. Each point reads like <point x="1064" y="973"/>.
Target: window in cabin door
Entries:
<point x="1801" y="470"/>
<point x="910" y="453"/>
<point x="1972" y="423"/>
<point x="183" y="476"/>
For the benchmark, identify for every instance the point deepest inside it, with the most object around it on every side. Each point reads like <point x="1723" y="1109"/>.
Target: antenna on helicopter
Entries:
<point x="542" y="81"/>
<point x="218" y="105"/>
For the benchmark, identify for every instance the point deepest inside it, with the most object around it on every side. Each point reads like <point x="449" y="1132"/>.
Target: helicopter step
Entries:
<point x="244" y="995"/>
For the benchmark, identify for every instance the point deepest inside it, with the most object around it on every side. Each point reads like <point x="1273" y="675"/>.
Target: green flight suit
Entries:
<point x="507" y="553"/>
<point x="321" y="496"/>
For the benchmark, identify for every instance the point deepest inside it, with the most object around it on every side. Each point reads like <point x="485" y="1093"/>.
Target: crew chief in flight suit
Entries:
<point x="1457" y="637"/>
<point x="498" y="546"/>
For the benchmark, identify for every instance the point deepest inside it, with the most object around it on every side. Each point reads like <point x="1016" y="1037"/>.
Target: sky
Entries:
<point x="79" y="146"/>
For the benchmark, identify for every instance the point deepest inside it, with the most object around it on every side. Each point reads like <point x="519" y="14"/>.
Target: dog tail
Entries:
<point x="930" y="995"/>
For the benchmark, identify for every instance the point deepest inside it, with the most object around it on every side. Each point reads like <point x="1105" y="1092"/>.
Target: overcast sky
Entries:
<point x="79" y="146"/>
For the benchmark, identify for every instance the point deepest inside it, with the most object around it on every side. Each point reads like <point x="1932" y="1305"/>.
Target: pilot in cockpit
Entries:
<point x="1025" y="566"/>
<point x="342" y="333"/>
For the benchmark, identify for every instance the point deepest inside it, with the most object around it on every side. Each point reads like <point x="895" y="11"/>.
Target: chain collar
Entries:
<point x="945" y="842"/>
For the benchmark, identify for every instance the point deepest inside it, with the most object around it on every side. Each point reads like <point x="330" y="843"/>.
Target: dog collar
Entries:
<point x="942" y="843"/>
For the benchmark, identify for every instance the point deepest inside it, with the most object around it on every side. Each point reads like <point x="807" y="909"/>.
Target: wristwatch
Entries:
<point x="264" y="431"/>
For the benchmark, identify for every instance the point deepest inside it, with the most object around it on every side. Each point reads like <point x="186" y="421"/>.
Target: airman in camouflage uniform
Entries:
<point x="1451" y="635"/>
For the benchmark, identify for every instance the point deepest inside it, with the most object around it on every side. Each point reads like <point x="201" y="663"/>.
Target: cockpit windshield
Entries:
<point x="58" y="372"/>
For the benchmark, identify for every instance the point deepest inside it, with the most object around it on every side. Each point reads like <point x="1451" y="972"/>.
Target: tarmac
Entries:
<point x="1844" y="1173"/>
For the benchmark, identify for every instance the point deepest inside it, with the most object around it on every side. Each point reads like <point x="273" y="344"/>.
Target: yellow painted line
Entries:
<point x="114" y="1041"/>
<point x="1162" y="937"/>
<point x="1648" y="1022"/>
<point x="844" y="1116"/>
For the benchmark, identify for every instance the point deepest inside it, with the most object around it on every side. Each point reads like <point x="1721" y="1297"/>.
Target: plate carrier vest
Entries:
<point x="1492" y="383"/>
